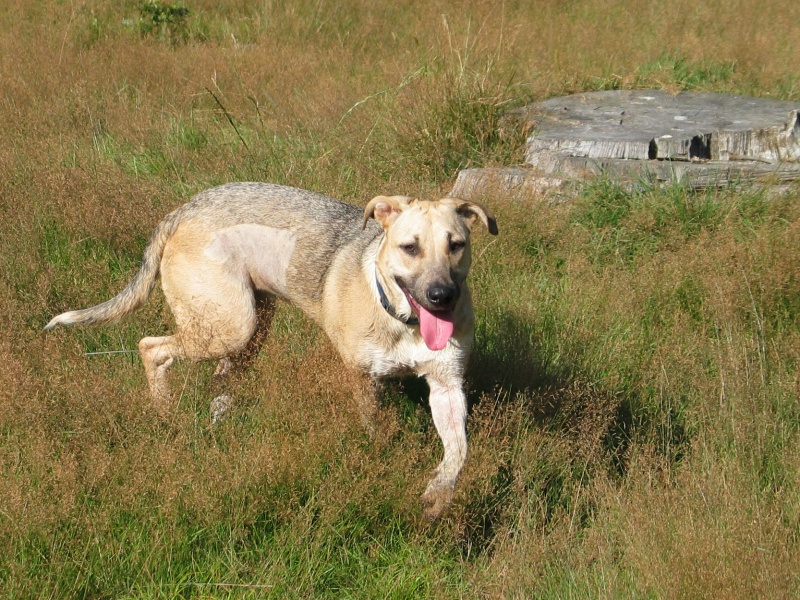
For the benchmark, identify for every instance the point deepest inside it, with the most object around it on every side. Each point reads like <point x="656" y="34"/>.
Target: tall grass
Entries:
<point x="633" y="392"/>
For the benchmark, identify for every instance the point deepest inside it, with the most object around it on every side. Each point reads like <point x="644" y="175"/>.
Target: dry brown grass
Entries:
<point x="635" y="422"/>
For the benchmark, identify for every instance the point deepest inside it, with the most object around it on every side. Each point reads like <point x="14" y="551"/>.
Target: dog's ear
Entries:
<point x="385" y="209"/>
<point x="472" y="210"/>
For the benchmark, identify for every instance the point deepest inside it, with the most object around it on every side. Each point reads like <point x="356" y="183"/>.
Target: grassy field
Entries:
<point x="635" y="424"/>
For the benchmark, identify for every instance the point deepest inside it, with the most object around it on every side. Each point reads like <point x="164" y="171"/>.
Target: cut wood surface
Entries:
<point x="653" y="124"/>
<point x="696" y="139"/>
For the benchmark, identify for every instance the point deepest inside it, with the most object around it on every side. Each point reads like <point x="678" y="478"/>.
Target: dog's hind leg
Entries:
<point x="158" y="353"/>
<point x="242" y="360"/>
<point x="215" y="314"/>
<point x="237" y="363"/>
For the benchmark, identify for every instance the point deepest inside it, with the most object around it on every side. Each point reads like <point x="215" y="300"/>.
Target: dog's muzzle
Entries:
<point x="437" y="323"/>
<point x="434" y="315"/>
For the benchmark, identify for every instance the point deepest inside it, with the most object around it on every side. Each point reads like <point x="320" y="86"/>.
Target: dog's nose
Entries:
<point x="442" y="296"/>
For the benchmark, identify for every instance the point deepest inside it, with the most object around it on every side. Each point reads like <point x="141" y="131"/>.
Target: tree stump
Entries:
<point x="635" y="136"/>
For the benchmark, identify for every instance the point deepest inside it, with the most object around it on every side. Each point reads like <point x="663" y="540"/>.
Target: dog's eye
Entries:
<point x="410" y="249"/>
<point x="457" y="246"/>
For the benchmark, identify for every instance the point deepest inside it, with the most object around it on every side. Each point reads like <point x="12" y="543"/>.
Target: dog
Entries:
<point x="386" y="283"/>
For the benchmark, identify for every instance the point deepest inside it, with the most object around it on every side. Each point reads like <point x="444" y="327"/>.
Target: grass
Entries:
<point x="634" y="417"/>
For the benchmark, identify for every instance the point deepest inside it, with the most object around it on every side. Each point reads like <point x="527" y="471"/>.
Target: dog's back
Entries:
<point x="321" y="227"/>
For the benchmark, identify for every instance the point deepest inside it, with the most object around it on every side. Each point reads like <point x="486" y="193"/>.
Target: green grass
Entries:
<point x="675" y="70"/>
<point x="144" y="555"/>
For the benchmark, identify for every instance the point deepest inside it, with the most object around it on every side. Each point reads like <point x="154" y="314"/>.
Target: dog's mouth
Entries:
<point x="435" y="326"/>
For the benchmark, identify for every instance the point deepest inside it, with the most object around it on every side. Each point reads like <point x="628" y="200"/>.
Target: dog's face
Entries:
<point x="426" y="253"/>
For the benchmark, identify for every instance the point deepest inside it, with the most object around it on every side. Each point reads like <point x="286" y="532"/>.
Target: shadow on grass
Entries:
<point x="523" y="376"/>
<point x="519" y="368"/>
<point x="526" y="378"/>
<point x="509" y="359"/>
<point x="520" y="357"/>
<point x="512" y="356"/>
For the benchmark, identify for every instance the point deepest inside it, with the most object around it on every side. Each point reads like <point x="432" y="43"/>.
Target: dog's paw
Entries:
<point x="219" y="408"/>
<point x="436" y="499"/>
<point x="223" y="367"/>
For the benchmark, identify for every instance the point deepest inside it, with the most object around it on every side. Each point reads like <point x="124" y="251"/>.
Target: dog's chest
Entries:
<point x="407" y="356"/>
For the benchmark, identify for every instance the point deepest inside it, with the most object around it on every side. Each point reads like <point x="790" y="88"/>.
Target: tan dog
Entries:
<point x="387" y="285"/>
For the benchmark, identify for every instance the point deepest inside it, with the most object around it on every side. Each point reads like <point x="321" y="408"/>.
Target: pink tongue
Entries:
<point x="436" y="327"/>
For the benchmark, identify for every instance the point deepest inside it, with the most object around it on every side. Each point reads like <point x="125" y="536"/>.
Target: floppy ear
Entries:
<point x="472" y="210"/>
<point x="385" y="209"/>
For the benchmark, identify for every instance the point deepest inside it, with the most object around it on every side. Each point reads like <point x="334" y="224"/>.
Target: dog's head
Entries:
<point x="426" y="255"/>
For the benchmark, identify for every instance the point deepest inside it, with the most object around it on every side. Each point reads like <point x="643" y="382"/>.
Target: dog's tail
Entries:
<point x="136" y="292"/>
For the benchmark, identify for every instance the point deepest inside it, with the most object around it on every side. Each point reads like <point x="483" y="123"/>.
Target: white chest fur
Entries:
<point x="411" y="355"/>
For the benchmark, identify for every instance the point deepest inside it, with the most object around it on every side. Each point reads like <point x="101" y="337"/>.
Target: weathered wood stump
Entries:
<point x="694" y="139"/>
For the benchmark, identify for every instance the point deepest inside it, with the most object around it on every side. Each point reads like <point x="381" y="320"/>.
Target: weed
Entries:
<point x="165" y="21"/>
<point x="457" y="112"/>
<point x="674" y="70"/>
<point x="606" y="205"/>
<point x="94" y="28"/>
<point x="460" y="131"/>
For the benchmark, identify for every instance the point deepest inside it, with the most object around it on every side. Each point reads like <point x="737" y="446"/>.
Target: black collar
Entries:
<point x="390" y="309"/>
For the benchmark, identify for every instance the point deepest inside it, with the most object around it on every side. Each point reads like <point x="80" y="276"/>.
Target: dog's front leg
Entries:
<point x="449" y="412"/>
